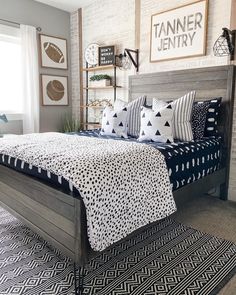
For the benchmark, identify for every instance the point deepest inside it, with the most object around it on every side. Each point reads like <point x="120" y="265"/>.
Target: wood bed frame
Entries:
<point x="61" y="219"/>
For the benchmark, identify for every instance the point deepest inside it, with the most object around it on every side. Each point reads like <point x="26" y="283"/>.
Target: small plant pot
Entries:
<point x="100" y="83"/>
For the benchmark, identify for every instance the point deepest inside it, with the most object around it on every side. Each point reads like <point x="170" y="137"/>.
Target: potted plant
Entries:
<point x="100" y="80"/>
<point x="70" y="125"/>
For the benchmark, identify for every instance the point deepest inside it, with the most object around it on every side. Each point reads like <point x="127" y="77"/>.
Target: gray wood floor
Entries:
<point x="213" y="216"/>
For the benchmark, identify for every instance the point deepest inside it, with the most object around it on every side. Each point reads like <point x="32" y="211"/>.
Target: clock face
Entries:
<point x="91" y="54"/>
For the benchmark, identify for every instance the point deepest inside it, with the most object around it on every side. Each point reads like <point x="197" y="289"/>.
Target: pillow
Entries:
<point x="212" y="116"/>
<point x="157" y="125"/>
<point x="182" y="117"/>
<point x="114" y="123"/>
<point x="199" y="115"/>
<point x="119" y="104"/>
<point x="134" y="108"/>
<point x="157" y="104"/>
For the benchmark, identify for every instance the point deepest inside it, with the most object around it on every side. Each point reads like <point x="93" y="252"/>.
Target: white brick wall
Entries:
<point x="110" y="22"/>
<point x="219" y="16"/>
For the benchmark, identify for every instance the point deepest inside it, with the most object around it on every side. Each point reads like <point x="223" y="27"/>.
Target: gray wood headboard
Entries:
<point x="208" y="83"/>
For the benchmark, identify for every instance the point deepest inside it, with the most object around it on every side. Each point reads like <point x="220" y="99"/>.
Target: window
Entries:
<point x="11" y="98"/>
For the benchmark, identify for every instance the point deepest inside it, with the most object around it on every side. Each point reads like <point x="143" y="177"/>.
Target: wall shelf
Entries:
<point x="92" y="107"/>
<point x="104" y="87"/>
<point x="99" y="68"/>
<point x="84" y="104"/>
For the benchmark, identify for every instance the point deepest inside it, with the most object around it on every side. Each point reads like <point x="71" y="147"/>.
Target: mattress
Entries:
<point x="186" y="161"/>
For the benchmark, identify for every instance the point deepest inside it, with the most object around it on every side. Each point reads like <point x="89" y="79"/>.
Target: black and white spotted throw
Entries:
<point x="124" y="185"/>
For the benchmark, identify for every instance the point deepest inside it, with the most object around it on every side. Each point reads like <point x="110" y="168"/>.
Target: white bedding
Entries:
<point x="124" y="185"/>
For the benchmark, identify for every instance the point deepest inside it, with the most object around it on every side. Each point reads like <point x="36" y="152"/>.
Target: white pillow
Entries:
<point x="134" y="108"/>
<point x="114" y="123"/>
<point x="182" y="129"/>
<point x="157" y="104"/>
<point x="157" y="125"/>
<point x="119" y="104"/>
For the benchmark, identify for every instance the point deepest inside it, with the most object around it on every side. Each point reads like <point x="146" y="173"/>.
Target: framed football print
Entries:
<point x="53" y="52"/>
<point x="180" y="32"/>
<point x="54" y="90"/>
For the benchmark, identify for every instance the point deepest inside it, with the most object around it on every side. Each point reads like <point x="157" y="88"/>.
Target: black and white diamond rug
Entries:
<point x="165" y="258"/>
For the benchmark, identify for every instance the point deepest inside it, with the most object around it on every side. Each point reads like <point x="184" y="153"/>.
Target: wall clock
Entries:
<point x="91" y="54"/>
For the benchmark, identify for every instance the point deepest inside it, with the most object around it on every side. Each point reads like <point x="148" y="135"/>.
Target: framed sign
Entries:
<point x="180" y="32"/>
<point x="106" y="55"/>
<point x="53" y="51"/>
<point x="54" y="90"/>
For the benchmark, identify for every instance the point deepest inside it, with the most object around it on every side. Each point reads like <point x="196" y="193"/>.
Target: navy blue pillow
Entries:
<point x="199" y="115"/>
<point x="212" y="117"/>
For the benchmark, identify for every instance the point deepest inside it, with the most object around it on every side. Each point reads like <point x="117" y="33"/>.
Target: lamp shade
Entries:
<point x="3" y="118"/>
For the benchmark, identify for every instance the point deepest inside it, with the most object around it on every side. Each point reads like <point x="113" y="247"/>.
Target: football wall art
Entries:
<point x="53" y="52"/>
<point x="54" y="90"/>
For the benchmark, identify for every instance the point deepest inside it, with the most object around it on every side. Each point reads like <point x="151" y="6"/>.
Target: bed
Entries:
<point x="58" y="213"/>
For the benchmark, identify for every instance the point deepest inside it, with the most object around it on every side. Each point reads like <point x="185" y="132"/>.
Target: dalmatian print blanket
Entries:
<point x="124" y="185"/>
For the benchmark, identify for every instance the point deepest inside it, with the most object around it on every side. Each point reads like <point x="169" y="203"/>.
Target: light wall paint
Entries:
<point x="53" y="22"/>
<point x="67" y="5"/>
<point x="113" y="22"/>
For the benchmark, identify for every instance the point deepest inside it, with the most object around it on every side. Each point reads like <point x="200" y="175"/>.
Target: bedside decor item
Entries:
<point x="100" y="103"/>
<point x="91" y="54"/>
<point x="100" y="80"/>
<point x="53" y="52"/>
<point x="106" y="55"/>
<point x="128" y="57"/>
<point x="70" y="125"/>
<point x="225" y="44"/>
<point x="179" y="32"/>
<point x="54" y="90"/>
<point x="3" y="119"/>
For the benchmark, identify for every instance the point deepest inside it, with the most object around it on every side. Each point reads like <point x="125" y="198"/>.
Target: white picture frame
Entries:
<point x="53" y="52"/>
<point x="180" y="32"/>
<point x="54" y="90"/>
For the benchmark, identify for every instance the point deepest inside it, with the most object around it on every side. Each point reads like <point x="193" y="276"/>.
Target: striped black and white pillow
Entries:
<point x="182" y="116"/>
<point x="134" y="109"/>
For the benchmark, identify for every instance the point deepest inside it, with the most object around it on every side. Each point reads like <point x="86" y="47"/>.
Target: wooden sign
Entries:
<point x="180" y="32"/>
<point x="106" y="55"/>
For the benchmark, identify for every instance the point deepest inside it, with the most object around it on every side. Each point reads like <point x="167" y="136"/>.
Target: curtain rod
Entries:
<point x="18" y="24"/>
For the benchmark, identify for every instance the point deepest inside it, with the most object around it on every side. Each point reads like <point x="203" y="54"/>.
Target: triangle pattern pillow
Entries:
<point x="182" y="129"/>
<point x="114" y="123"/>
<point x="157" y="125"/>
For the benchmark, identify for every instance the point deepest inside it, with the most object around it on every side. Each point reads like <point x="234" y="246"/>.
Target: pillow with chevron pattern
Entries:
<point x="114" y="122"/>
<point x="156" y="125"/>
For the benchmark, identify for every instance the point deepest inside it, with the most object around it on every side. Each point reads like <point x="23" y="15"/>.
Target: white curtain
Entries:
<point x="30" y="77"/>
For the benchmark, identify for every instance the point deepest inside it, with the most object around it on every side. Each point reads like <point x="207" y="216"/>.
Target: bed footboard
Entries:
<point x="57" y="217"/>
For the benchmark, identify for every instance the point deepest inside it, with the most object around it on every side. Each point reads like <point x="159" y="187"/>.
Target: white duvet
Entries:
<point x="124" y="185"/>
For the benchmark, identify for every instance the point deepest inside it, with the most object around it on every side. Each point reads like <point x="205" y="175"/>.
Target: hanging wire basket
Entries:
<point x="224" y="45"/>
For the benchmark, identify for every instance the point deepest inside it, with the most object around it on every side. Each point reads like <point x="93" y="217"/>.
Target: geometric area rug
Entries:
<point x="165" y="258"/>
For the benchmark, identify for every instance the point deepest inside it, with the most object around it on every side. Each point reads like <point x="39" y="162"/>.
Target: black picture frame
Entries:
<point x="106" y="55"/>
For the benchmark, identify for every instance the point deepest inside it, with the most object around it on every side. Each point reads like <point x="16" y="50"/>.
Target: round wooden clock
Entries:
<point x="91" y="54"/>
